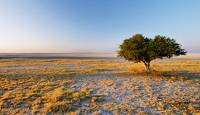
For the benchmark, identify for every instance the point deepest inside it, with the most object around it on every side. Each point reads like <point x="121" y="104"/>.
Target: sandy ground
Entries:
<point x="138" y="94"/>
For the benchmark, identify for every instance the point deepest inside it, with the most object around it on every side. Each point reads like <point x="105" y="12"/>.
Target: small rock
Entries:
<point x="167" y="106"/>
<point x="98" y="98"/>
<point x="1" y="92"/>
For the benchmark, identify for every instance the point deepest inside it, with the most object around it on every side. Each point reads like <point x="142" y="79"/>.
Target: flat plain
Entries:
<point x="98" y="86"/>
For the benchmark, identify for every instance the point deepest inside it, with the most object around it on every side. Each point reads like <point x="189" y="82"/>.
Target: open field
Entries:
<point x="98" y="86"/>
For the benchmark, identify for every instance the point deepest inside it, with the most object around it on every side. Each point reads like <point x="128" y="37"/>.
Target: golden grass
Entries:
<point x="94" y="66"/>
<point x="42" y="96"/>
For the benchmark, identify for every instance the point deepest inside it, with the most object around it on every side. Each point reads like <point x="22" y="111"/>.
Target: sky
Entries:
<point x="63" y="26"/>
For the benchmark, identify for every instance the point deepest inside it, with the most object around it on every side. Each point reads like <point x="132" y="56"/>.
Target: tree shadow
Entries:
<point x="182" y="75"/>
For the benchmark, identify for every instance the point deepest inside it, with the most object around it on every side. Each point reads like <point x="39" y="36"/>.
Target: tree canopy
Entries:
<point x="139" y="48"/>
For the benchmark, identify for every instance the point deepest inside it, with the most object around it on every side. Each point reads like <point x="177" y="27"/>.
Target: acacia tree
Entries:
<point x="142" y="49"/>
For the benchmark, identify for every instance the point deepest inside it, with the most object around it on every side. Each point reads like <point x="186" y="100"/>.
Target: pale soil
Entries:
<point x="136" y="94"/>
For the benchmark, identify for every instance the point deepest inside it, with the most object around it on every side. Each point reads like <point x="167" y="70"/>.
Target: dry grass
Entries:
<point x="93" y="66"/>
<point x="39" y="96"/>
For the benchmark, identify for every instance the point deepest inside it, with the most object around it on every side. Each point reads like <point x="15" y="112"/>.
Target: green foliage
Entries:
<point x="142" y="49"/>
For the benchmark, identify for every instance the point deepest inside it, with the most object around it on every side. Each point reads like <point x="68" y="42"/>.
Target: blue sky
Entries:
<point x="94" y="25"/>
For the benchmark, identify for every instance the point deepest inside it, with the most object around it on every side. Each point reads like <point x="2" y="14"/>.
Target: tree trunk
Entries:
<point x="147" y="65"/>
<point x="148" y="68"/>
